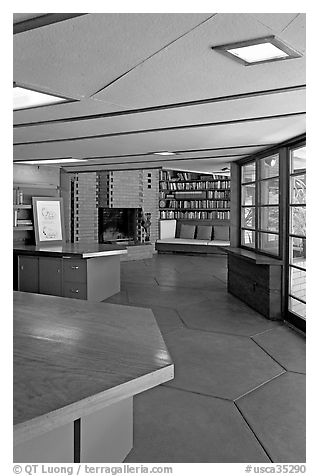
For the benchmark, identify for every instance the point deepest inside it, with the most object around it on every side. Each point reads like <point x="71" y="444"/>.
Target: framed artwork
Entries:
<point x="48" y="220"/>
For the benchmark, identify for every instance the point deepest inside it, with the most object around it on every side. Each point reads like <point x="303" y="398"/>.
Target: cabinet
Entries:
<point x="186" y="195"/>
<point x="50" y="276"/>
<point x="256" y="280"/>
<point x="75" y="278"/>
<point x="93" y="279"/>
<point x="28" y="275"/>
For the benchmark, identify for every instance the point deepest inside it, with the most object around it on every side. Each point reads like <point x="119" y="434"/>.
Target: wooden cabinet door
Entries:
<point x="28" y="276"/>
<point x="50" y="276"/>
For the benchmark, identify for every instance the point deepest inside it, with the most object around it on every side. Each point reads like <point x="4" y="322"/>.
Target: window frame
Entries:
<point x="284" y="149"/>
<point x="295" y="319"/>
<point x="259" y="232"/>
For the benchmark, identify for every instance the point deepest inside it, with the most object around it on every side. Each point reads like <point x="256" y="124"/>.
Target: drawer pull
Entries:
<point x="74" y="267"/>
<point x="74" y="291"/>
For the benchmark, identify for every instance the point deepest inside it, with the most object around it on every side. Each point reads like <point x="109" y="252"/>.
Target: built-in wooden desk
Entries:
<point x="77" y="270"/>
<point x="77" y="366"/>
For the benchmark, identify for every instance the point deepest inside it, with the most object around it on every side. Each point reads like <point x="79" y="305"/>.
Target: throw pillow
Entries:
<point x="204" y="232"/>
<point x="187" y="231"/>
<point x="221" y="233"/>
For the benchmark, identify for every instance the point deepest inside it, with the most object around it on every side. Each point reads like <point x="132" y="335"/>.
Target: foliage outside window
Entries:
<point x="260" y="220"/>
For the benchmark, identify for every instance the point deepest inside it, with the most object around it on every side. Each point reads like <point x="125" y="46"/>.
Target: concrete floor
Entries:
<point x="239" y="389"/>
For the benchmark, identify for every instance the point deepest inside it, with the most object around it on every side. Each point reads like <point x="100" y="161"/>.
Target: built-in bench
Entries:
<point x="181" y="236"/>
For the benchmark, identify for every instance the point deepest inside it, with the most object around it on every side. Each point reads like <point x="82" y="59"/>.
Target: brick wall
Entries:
<point x="132" y="189"/>
<point x="85" y="192"/>
<point x="80" y="206"/>
<point x="86" y="212"/>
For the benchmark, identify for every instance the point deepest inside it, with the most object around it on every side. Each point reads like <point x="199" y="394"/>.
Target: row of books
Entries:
<point x="177" y="175"/>
<point x="194" y="215"/>
<point x="197" y="194"/>
<point x="218" y="184"/>
<point x="172" y="175"/>
<point x="195" y="204"/>
<point x="179" y="194"/>
<point x="219" y="194"/>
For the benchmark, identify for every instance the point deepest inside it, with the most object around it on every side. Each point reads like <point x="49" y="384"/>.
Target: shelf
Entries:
<point x="226" y="220"/>
<point x="198" y="199"/>
<point x="48" y="186"/>
<point x="195" y="180"/>
<point x="22" y="207"/>
<point x="23" y="228"/>
<point x="196" y="209"/>
<point x="207" y="194"/>
<point x="184" y="190"/>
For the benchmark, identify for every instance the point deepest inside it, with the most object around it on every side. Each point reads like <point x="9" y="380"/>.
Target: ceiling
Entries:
<point x="144" y="82"/>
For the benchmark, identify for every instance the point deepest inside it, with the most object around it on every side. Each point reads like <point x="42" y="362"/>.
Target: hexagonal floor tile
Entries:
<point x="276" y="413"/>
<point x="181" y="427"/>
<point x="218" y="364"/>
<point x="286" y="346"/>
<point x="193" y="281"/>
<point x="165" y="296"/>
<point x="226" y="314"/>
<point x="167" y="319"/>
<point x="118" y="298"/>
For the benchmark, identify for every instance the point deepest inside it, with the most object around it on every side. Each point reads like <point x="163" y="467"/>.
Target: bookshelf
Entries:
<point x="22" y="207"/>
<point x="193" y="196"/>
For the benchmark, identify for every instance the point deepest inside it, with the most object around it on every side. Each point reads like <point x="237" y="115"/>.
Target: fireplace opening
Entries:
<point x="118" y="224"/>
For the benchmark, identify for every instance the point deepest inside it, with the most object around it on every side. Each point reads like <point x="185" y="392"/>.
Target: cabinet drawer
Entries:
<point x="74" y="270"/>
<point x="74" y="290"/>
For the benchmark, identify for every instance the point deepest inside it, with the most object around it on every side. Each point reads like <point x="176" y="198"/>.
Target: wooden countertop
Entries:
<point x="74" y="357"/>
<point x="82" y="250"/>
<point x="252" y="256"/>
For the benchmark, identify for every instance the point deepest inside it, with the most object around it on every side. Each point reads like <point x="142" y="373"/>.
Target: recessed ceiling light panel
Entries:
<point x="49" y="161"/>
<point x="24" y="98"/>
<point x="261" y="50"/>
<point x="165" y="152"/>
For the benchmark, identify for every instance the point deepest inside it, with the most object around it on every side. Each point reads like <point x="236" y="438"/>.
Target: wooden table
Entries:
<point x="77" y="366"/>
<point x="77" y="270"/>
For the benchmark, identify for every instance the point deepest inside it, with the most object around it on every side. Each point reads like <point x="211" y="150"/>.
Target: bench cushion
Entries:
<point x="218" y="243"/>
<point x="183" y="241"/>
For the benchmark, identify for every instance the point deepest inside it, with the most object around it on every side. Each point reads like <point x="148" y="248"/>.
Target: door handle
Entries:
<point x="74" y="267"/>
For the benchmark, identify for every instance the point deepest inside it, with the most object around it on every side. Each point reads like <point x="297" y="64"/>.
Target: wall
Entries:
<point x="35" y="174"/>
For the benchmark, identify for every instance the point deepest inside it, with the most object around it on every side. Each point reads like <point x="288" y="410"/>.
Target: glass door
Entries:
<point x="297" y="238"/>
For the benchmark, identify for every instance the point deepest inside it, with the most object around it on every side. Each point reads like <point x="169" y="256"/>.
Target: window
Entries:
<point x="273" y="218"/>
<point x="297" y="233"/>
<point x="260" y="215"/>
